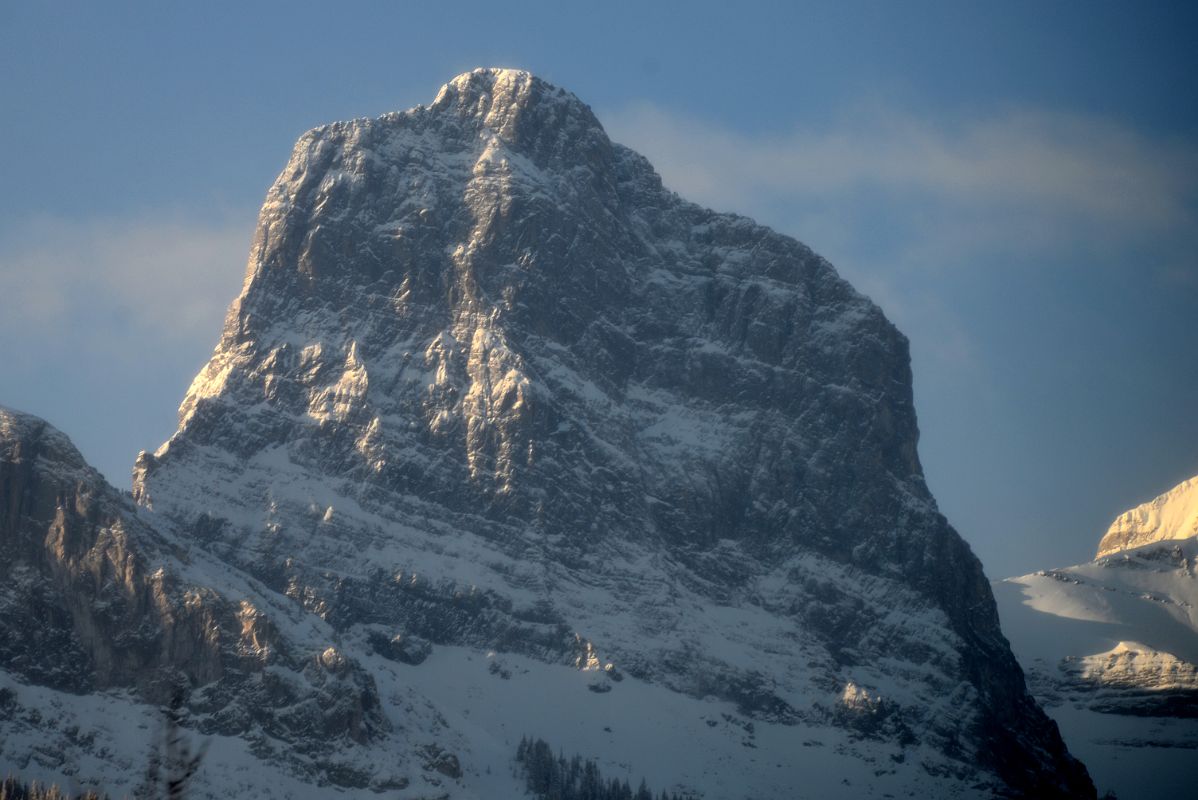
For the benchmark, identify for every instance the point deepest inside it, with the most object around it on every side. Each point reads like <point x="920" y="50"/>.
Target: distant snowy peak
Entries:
<point x="1110" y="648"/>
<point x="1173" y="515"/>
<point x="1135" y="666"/>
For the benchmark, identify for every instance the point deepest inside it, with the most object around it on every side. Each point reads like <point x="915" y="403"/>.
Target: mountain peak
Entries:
<point x="510" y="101"/>
<point x="481" y="344"/>
<point x="497" y="80"/>
<point x="500" y="86"/>
<point x="1172" y="515"/>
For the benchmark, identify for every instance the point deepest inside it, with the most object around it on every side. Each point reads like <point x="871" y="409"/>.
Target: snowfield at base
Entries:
<point x="107" y="739"/>
<point x="638" y="730"/>
<point x="456" y="702"/>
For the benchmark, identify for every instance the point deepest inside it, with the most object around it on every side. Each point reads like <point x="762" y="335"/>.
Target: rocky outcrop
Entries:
<point x="72" y="560"/>
<point x="92" y="599"/>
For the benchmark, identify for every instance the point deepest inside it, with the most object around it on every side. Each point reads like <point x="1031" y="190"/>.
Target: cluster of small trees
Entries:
<point x="13" y="789"/>
<point x="550" y="777"/>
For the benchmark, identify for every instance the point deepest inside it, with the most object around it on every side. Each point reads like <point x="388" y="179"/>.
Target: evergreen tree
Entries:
<point x="522" y="749"/>
<point x="549" y="777"/>
<point x="173" y="763"/>
<point x="13" y="789"/>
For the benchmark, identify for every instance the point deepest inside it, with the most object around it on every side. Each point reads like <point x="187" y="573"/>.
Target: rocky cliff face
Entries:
<point x="490" y="389"/>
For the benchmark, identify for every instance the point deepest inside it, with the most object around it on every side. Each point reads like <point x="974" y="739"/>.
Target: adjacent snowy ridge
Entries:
<point x="1111" y="649"/>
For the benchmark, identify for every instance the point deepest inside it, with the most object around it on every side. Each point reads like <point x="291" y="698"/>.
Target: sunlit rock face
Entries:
<point x="489" y="388"/>
<point x="1173" y="515"/>
<point x="1131" y="665"/>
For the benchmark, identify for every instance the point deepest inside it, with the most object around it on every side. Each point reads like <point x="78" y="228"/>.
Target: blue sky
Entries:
<point x="1016" y="184"/>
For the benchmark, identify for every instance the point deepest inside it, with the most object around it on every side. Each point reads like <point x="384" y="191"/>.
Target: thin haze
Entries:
<point x="1017" y="186"/>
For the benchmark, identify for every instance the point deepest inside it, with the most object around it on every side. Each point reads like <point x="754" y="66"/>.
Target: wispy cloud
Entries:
<point x="106" y="320"/>
<point x="114" y="287"/>
<point x="1017" y="180"/>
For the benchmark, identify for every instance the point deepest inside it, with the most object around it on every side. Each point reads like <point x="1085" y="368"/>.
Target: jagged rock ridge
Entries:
<point x="490" y="388"/>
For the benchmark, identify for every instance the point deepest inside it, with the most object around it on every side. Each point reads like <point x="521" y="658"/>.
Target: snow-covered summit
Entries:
<point x="1172" y="515"/>
<point x="493" y="92"/>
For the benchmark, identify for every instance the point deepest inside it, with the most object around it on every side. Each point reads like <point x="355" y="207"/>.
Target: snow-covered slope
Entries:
<point x="540" y="448"/>
<point x="1173" y="515"/>
<point x="106" y="608"/>
<point x="1110" y="649"/>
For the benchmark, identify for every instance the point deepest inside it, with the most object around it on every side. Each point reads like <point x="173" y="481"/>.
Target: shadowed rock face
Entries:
<point x="71" y="561"/>
<point x="489" y="384"/>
